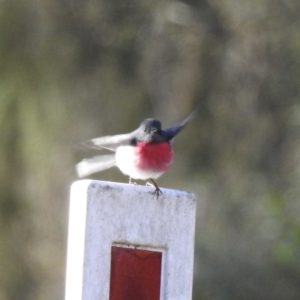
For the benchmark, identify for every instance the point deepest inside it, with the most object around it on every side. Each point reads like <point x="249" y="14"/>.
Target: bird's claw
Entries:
<point x="157" y="190"/>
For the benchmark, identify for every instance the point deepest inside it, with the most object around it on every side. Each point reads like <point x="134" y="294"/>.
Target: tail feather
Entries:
<point x="171" y="132"/>
<point x="95" y="164"/>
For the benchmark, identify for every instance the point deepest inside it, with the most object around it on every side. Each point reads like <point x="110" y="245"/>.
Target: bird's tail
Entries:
<point x="95" y="164"/>
<point x="172" y="131"/>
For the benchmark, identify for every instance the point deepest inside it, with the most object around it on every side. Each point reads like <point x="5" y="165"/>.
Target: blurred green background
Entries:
<point x="72" y="70"/>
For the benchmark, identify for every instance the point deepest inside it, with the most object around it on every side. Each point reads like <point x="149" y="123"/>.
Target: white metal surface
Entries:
<point x="107" y="213"/>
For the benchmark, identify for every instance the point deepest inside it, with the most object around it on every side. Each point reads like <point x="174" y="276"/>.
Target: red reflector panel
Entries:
<point x="135" y="274"/>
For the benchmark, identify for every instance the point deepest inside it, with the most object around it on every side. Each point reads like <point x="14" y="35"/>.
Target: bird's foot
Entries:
<point x="131" y="182"/>
<point x="157" y="191"/>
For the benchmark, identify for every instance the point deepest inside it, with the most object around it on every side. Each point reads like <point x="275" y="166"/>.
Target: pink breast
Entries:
<point x="153" y="156"/>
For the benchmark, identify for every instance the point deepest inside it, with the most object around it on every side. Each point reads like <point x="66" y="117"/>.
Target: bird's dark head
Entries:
<point x="151" y="126"/>
<point x="150" y="131"/>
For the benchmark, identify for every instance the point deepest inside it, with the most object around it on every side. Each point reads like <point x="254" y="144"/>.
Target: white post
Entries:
<point x="125" y="243"/>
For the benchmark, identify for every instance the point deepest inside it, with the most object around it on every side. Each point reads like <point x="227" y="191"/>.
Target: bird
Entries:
<point x="143" y="154"/>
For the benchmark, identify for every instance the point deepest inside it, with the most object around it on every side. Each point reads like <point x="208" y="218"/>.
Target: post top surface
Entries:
<point x="131" y="188"/>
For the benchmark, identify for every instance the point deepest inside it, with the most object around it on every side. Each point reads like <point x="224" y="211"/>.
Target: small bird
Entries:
<point x="145" y="153"/>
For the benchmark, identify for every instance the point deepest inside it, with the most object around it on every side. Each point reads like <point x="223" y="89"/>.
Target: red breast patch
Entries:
<point x="153" y="156"/>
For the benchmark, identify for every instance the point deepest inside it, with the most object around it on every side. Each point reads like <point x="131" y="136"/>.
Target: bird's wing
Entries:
<point x="95" y="164"/>
<point x="107" y="142"/>
<point x="172" y="131"/>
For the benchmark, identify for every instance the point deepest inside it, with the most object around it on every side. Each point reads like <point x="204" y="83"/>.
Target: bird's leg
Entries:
<point x="130" y="181"/>
<point x="157" y="191"/>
